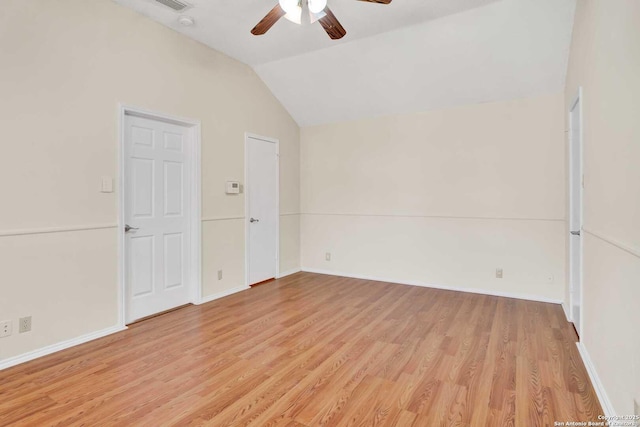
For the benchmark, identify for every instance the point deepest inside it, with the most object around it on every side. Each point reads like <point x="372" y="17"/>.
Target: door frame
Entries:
<point x="195" y="265"/>
<point x="578" y="101"/>
<point x="248" y="135"/>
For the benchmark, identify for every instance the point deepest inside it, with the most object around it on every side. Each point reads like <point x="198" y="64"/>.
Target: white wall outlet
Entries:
<point x="24" y="324"/>
<point x="327" y="256"/>
<point x="6" y="328"/>
<point x="219" y="274"/>
<point x="498" y="273"/>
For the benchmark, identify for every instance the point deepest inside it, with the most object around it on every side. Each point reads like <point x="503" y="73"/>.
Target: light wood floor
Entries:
<point x="314" y="350"/>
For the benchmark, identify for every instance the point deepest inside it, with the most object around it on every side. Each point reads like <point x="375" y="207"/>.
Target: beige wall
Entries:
<point x="64" y="67"/>
<point x="442" y="197"/>
<point x="605" y="61"/>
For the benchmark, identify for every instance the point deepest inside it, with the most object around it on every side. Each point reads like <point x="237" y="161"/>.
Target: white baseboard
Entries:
<point x="566" y="312"/>
<point x="44" y="351"/>
<point x="289" y="273"/>
<point x="222" y="294"/>
<point x="430" y="285"/>
<point x="237" y="289"/>
<point x="607" y="407"/>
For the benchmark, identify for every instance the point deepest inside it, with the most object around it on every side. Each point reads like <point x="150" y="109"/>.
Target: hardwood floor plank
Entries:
<point x="317" y="350"/>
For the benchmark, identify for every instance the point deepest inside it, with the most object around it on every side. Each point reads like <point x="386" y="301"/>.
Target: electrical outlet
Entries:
<point x="6" y="328"/>
<point x="498" y="273"/>
<point x="219" y="274"/>
<point x="327" y="256"/>
<point x="24" y="324"/>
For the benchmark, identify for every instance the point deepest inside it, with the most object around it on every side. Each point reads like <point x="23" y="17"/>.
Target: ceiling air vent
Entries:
<point x="176" y="5"/>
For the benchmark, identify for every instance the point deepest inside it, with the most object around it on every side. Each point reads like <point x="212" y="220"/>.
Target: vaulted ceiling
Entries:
<point x="408" y="56"/>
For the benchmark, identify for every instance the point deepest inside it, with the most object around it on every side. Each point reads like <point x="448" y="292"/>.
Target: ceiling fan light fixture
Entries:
<point x="295" y="16"/>
<point x="307" y="12"/>
<point x="293" y="9"/>
<point x="317" y="6"/>
<point x="289" y="6"/>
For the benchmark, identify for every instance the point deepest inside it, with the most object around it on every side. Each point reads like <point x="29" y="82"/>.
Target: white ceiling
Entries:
<point x="409" y="56"/>
<point x="225" y="25"/>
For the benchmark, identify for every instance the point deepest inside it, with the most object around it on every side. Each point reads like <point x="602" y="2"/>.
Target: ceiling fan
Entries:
<point x="307" y="11"/>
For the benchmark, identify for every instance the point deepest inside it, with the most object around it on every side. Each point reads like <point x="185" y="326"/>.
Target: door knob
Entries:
<point x="254" y="220"/>
<point x="128" y="228"/>
<point x="575" y="233"/>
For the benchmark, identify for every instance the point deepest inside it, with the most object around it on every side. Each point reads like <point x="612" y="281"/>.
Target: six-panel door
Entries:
<point x="156" y="209"/>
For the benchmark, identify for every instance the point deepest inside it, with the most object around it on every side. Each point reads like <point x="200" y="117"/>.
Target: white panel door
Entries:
<point x="575" y="213"/>
<point x="157" y="211"/>
<point x="262" y="199"/>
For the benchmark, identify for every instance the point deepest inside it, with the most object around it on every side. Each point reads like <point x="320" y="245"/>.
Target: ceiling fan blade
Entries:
<point x="378" y="1"/>
<point x="332" y="26"/>
<point x="268" y="21"/>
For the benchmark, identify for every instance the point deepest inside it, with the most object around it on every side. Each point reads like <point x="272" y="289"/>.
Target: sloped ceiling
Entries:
<point x="225" y="25"/>
<point x="409" y="56"/>
<point x="506" y="50"/>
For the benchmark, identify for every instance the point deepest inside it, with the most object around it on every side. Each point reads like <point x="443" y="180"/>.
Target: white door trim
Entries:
<point x="195" y="267"/>
<point x="578" y="101"/>
<point x="248" y="135"/>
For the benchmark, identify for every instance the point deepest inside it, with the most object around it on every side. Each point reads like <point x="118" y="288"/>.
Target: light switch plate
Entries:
<point x="107" y="185"/>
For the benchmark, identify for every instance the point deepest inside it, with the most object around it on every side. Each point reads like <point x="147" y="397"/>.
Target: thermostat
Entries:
<point x="233" y="187"/>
